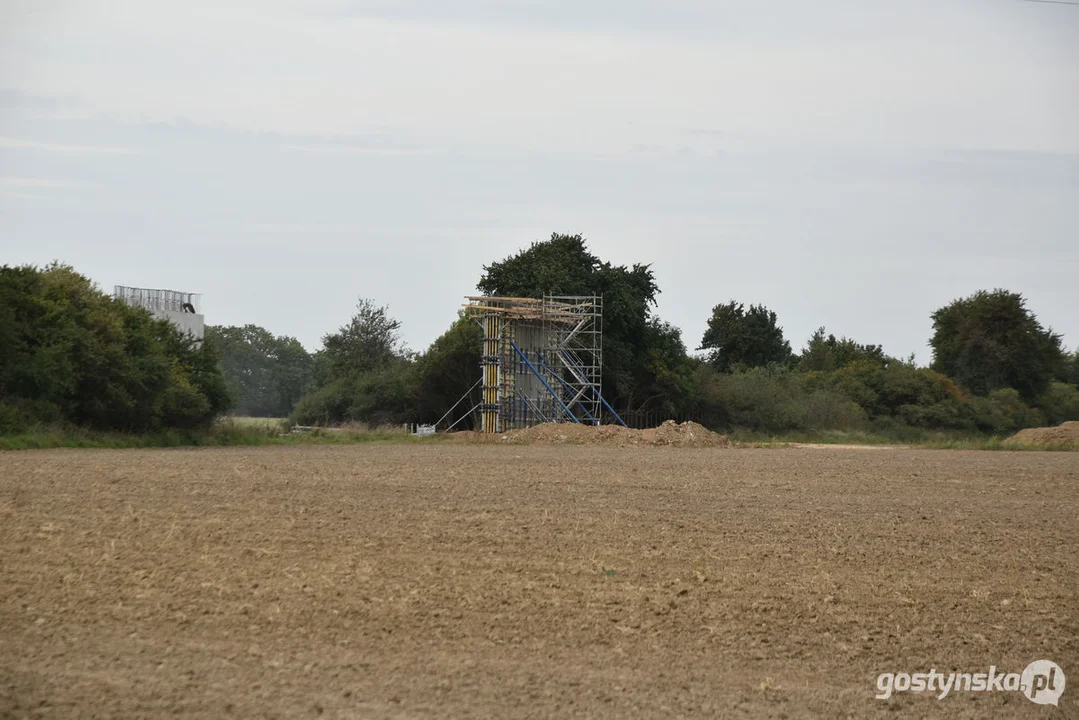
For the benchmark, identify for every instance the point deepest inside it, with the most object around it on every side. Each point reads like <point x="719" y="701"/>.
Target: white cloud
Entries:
<point x="20" y="195"/>
<point x="39" y="183"/>
<point x="356" y="150"/>
<point x="948" y="73"/>
<point x="303" y="229"/>
<point x="419" y="139"/>
<point x="21" y="144"/>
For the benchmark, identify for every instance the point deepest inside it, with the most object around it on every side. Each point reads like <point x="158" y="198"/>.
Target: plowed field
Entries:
<point x="514" y="581"/>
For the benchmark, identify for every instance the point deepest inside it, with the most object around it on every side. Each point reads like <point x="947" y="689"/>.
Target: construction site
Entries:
<point x="542" y="361"/>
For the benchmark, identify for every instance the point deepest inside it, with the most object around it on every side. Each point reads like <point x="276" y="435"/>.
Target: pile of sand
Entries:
<point x="687" y="434"/>
<point x="1063" y="434"/>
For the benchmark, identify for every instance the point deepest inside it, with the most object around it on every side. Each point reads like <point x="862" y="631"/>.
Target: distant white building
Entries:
<point x="182" y="309"/>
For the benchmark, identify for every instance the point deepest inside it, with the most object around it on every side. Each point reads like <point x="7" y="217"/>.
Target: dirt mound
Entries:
<point x="1063" y="434"/>
<point x="687" y="434"/>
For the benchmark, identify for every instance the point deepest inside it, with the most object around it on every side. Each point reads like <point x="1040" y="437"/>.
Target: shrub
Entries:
<point x="1059" y="403"/>
<point x="771" y="399"/>
<point x="950" y="414"/>
<point x="380" y="397"/>
<point x="1003" y="411"/>
<point x="883" y="389"/>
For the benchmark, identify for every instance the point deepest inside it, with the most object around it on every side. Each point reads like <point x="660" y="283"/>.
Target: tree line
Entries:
<point x="995" y="368"/>
<point x="71" y="354"/>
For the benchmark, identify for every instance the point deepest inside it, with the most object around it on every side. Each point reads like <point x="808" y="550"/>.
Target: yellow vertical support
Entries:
<point x="490" y="373"/>
<point x="507" y="381"/>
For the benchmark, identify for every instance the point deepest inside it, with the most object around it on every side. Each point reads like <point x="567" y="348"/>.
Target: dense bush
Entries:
<point x="71" y="354"/>
<point x="771" y="399"/>
<point x="1070" y="373"/>
<point x="892" y="399"/>
<point x="1003" y="411"/>
<point x="384" y="396"/>
<point x="1059" y="403"/>
<point x="882" y="389"/>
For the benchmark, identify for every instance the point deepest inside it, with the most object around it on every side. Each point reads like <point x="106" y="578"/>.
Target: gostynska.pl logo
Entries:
<point x="1042" y="682"/>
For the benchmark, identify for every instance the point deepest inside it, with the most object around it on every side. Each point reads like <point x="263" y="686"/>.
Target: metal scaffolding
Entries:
<point x="161" y="300"/>
<point x="542" y="360"/>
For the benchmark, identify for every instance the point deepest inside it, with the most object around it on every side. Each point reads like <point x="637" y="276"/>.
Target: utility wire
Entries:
<point x="1054" y="2"/>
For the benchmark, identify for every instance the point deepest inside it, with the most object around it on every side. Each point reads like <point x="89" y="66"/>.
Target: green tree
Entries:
<point x="991" y="341"/>
<point x="563" y="265"/>
<point x="371" y="340"/>
<point x="266" y="374"/>
<point x="447" y="370"/>
<point x="663" y="378"/>
<point x="366" y="373"/>
<point x="71" y="354"/>
<point x="825" y="352"/>
<point x="740" y="338"/>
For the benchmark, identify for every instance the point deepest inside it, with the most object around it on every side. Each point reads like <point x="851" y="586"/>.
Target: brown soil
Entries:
<point x="1063" y="434"/>
<point x="840" y="446"/>
<point x="530" y="581"/>
<point x="687" y="434"/>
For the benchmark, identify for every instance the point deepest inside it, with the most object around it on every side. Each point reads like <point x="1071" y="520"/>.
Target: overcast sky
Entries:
<point x="847" y="163"/>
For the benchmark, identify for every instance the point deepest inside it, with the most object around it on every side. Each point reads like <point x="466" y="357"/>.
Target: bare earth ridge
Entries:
<point x="1064" y="434"/>
<point x="526" y="580"/>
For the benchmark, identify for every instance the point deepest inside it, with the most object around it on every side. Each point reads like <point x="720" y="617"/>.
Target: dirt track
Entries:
<point x="404" y="581"/>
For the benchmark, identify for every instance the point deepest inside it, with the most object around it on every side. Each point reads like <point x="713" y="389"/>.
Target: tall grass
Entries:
<point x="997" y="443"/>
<point x="263" y="431"/>
<point x="929" y="439"/>
<point x="223" y="433"/>
<point x="824" y="437"/>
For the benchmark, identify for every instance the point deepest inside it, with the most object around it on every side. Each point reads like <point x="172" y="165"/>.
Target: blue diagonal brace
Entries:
<point x="603" y="400"/>
<point x="568" y="387"/>
<point x="616" y="415"/>
<point x="542" y="380"/>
